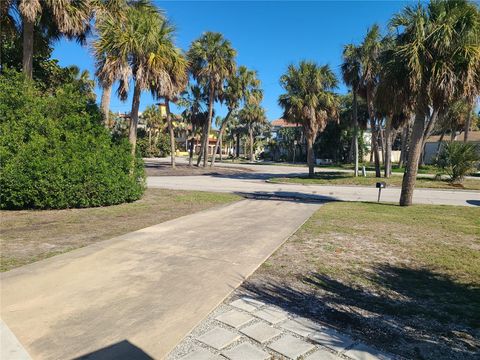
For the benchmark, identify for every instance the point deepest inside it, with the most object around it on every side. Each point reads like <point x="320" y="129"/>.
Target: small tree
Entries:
<point x="458" y="159"/>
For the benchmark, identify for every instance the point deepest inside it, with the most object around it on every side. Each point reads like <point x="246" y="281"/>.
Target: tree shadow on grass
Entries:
<point x="415" y="313"/>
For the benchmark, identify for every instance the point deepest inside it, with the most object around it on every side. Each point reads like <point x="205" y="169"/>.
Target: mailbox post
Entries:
<point x="380" y="185"/>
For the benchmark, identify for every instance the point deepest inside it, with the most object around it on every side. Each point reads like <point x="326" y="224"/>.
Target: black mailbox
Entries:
<point x="381" y="185"/>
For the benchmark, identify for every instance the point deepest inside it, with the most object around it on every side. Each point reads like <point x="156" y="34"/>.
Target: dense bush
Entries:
<point x="55" y="153"/>
<point x="458" y="159"/>
<point x="160" y="148"/>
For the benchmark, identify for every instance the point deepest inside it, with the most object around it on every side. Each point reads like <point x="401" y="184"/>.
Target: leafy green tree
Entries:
<point x="212" y="61"/>
<point x="309" y="100"/>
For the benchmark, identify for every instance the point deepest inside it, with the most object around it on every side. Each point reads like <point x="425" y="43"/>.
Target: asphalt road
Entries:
<point x="256" y="183"/>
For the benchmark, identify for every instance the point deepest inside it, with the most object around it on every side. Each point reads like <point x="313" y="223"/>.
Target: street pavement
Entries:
<point x="256" y="184"/>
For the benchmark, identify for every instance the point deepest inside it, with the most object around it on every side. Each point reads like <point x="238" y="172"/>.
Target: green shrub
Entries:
<point x="458" y="159"/>
<point x="160" y="149"/>
<point x="55" y="153"/>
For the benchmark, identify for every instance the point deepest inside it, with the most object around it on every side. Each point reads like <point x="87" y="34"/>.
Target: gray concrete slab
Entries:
<point x="143" y="287"/>
<point x="270" y="314"/>
<point x="365" y="352"/>
<point x="246" y="351"/>
<point x="321" y="354"/>
<point x="257" y="186"/>
<point x="218" y="338"/>
<point x="301" y="326"/>
<point x="244" y="305"/>
<point x="261" y="332"/>
<point x="332" y="339"/>
<point x="291" y="347"/>
<point x="234" y="318"/>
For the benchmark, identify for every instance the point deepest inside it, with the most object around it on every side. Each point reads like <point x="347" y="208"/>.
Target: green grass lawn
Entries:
<point x="28" y="236"/>
<point x="343" y="178"/>
<point x="406" y="279"/>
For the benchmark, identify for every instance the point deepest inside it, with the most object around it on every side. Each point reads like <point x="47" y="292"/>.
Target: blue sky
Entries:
<point x="268" y="36"/>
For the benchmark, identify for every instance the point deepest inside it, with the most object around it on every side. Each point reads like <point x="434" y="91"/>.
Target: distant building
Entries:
<point x="433" y="144"/>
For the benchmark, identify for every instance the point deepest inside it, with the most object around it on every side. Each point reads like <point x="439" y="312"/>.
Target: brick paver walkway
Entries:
<point x="248" y="329"/>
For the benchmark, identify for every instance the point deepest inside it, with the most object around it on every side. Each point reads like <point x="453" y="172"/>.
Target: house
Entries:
<point x="433" y="144"/>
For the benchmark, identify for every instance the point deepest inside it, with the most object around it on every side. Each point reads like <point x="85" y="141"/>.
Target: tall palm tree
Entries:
<point x="391" y="101"/>
<point x="241" y="88"/>
<point x="309" y="100"/>
<point x="135" y="49"/>
<point x="212" y="61"/>
<point x="351" y="72"/>
<point x="369" y="53"/>
<point x="54" y="17"/>
<point x="251" y="115"/>
<point x="169" y="79"/>
<point x="193" y="100"/>
<point x="103" y="10"/>
<point x="439" y="46"/>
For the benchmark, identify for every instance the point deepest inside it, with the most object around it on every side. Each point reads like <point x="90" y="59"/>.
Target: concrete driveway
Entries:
<point x="137" y="295"/>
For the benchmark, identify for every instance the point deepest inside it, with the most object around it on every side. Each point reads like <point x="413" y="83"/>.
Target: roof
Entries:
<point x="473" y="136"/>
<point x="283" y="123"/>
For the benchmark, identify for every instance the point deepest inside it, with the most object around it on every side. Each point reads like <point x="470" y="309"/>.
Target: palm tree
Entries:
<point x="241" y="88"/>
<point x="309" y="100"/>
<point x="169" y="78"/>
<point x="251" y="115"/>
<point x="54" y="17"/>
<point x="212" y="61"/>
<point x="103" y="10"/>
<point x="438" y="45"/>
<point x="351" y="72"/>
<point x="391" y="100"/>
<point x="193" y="101"/>
<point x="139" y="48"/>
<point x="369" y="53"/>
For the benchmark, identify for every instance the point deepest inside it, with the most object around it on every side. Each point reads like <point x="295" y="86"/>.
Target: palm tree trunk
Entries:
<point x="426" y="133"/>
<point x="310" y="159"/>
<point x="414" y="150"/>
<point x="238" y="146"/>
<point x="403" y="149"/>
<point x="207" y="128"/>
<point x="250" y="135"/>
<point x="355" y="132"/>
<point x="440" y="143"/>
<point x="221" y="147"/>
<point x="172" y="134"/>
<point x="192" y="140"/>
<point x="382" y="142"/>
<point x="132" y="134"/>
<point x="468" y="123"/>
<point x="28" y="47"/>
<point x="219" y="139"/>
<point x="375" y="151"/>
<point x="388" y="148"/>
<point x="105" y="104"/>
